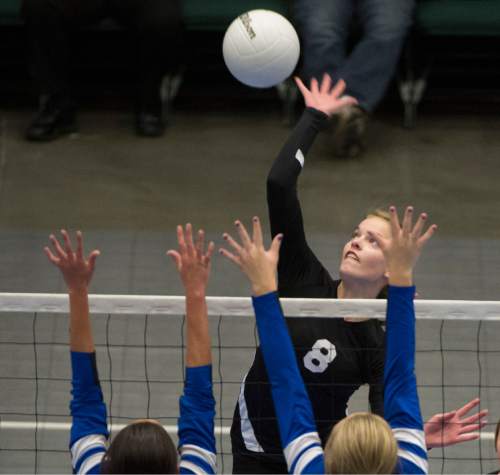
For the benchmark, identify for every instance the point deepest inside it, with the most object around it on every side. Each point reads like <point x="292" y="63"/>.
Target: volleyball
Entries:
<point x="261" y="48"/>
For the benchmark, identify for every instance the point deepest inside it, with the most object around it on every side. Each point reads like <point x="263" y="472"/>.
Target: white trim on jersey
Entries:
<point x="83" y="445"/>
<point x="199" y="452"/>
<point x="410" y="436"/>
<point x="307" y="457"/>
<point x="296" y="446"/>
<point x="420" y="462"/>
<point x="247" y="432"/>
<point x="91" y="462"/>
<point x="86" y="443"/>
<point x="300" y="157"/>
<point x="192" y="467"/>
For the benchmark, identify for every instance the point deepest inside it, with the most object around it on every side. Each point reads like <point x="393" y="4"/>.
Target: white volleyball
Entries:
<point x="261" y="48"/>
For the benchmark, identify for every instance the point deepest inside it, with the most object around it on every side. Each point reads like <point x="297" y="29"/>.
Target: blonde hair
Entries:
<point x="361" y="443"/>
<point x="379" y="213"/>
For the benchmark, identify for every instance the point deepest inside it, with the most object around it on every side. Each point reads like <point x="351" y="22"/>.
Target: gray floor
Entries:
<point x="127" y="194"/>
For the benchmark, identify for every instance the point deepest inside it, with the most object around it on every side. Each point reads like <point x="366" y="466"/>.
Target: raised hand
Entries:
<point x="454" y="427"/>
<point x="76" y="269"/>
<point x="191" y="260"/>
<point x="257" y="263"/>
<point x="323" y="97"/>
<point x="403" y="248"/>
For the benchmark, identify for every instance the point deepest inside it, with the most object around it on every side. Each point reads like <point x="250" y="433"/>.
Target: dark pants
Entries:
<point x="253" y="462"/>
<point x="156" y="25"/>
<point x="325" y="27"/>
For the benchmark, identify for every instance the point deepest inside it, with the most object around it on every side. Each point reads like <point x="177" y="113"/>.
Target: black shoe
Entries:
<point x="55" y="118"/>
<point x="348" y="132"/>
<point x="149" y="124"/>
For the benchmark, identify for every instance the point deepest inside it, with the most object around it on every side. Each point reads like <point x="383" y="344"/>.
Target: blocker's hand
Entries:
<point x="75" y="268"/>
<point x="403" y="248"/>
<point x="252" y="258"/>
<point x="453" y="427"/>
<point x="323" y="97"/>
<point x="191" y="260"/>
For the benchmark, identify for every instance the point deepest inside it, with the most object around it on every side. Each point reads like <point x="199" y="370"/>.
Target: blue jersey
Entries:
<point x="89" y="431"/>
<point x="302" y="446"/>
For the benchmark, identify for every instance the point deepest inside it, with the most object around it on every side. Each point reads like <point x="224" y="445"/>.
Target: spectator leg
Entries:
<point x="159" y="28"/>
<point x="372" y="63"/>
<point x="324" y="29"/>
<point x="49" y="24"/>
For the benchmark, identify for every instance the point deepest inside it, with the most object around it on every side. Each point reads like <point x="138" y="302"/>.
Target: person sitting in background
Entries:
<point x="325" y="30"/>
<point x="157" y="26"/>
<point x="143" y="446"/>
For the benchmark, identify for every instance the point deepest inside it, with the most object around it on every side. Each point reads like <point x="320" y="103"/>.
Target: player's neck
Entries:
<point x="358" y="290"/>
<point x="352" y="290"/>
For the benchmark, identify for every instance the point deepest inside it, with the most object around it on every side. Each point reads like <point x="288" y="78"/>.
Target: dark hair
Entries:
<point x="141" y="447"/>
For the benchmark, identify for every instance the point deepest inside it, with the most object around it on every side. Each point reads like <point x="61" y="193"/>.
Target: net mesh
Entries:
<point x="140" y="353"/>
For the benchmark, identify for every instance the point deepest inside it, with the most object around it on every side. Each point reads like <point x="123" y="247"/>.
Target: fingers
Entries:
<point x="59" y="250"/>
<point x="257" y="232"/>
<point x="230" y="256"/>
<point x="200" y="243"/>
<point x="302" y="88"/>
<point x="440" y="418"/>
<point x="242" y="231"/>
<point x="378" y="239"/>
<point x="472" y="428"/>
<point x="407" y="220"/>
<point x="467" y="437"/>
<point x="475" y="417"/>
<point x="326" y="84"/>
<point x="346" y="101"/>
<point x="92" y="258"/>
<point x="55" y="260"/>
<point x="468" y="407"/>
<point x="427" y="235"/>
<point x="395" y="226"/>
<point x="180" y="239"/>
<point x="232" y="243"/>
<point x="419" y="225"/>
<point x="79" y="248"/>
<point x="189" y="239"/>
<point x="276" y="245"/>
<point x="176" y="258"/>
<point x="210" y="251"/>
<point x="314" y="87"/>
<point x="338" y="89"/>
<point x="67" y="243"/>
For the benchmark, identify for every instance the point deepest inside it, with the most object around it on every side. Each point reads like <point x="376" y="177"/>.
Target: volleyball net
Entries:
<point x="140" y="354"/>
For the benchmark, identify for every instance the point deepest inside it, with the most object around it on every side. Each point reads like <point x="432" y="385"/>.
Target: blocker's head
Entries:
<point x="361" y="443"/>
<point x="362" y="259"/>
<point x="144" y="446"/>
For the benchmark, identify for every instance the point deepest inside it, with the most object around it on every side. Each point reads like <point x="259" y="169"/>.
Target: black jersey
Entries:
<point x="335" y="357"/>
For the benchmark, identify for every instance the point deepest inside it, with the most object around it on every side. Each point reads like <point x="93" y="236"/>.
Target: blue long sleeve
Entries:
<point x="299" y="438"/>
<point x="401" y="403"/>
<point x="196" y="422"/>
<point x="89" y="430"/>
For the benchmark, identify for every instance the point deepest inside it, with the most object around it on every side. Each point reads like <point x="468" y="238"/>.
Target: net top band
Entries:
<point x="242" y="306"/>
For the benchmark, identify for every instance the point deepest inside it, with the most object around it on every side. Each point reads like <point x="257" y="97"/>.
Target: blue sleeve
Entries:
<point x="401" y="403"/>
<point x="89" y="430"/>
<point x="196" y="422"/>
<point x="299" y="437"/>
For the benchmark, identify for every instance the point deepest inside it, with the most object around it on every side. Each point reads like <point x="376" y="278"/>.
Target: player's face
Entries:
<point x="362" y="259"/>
